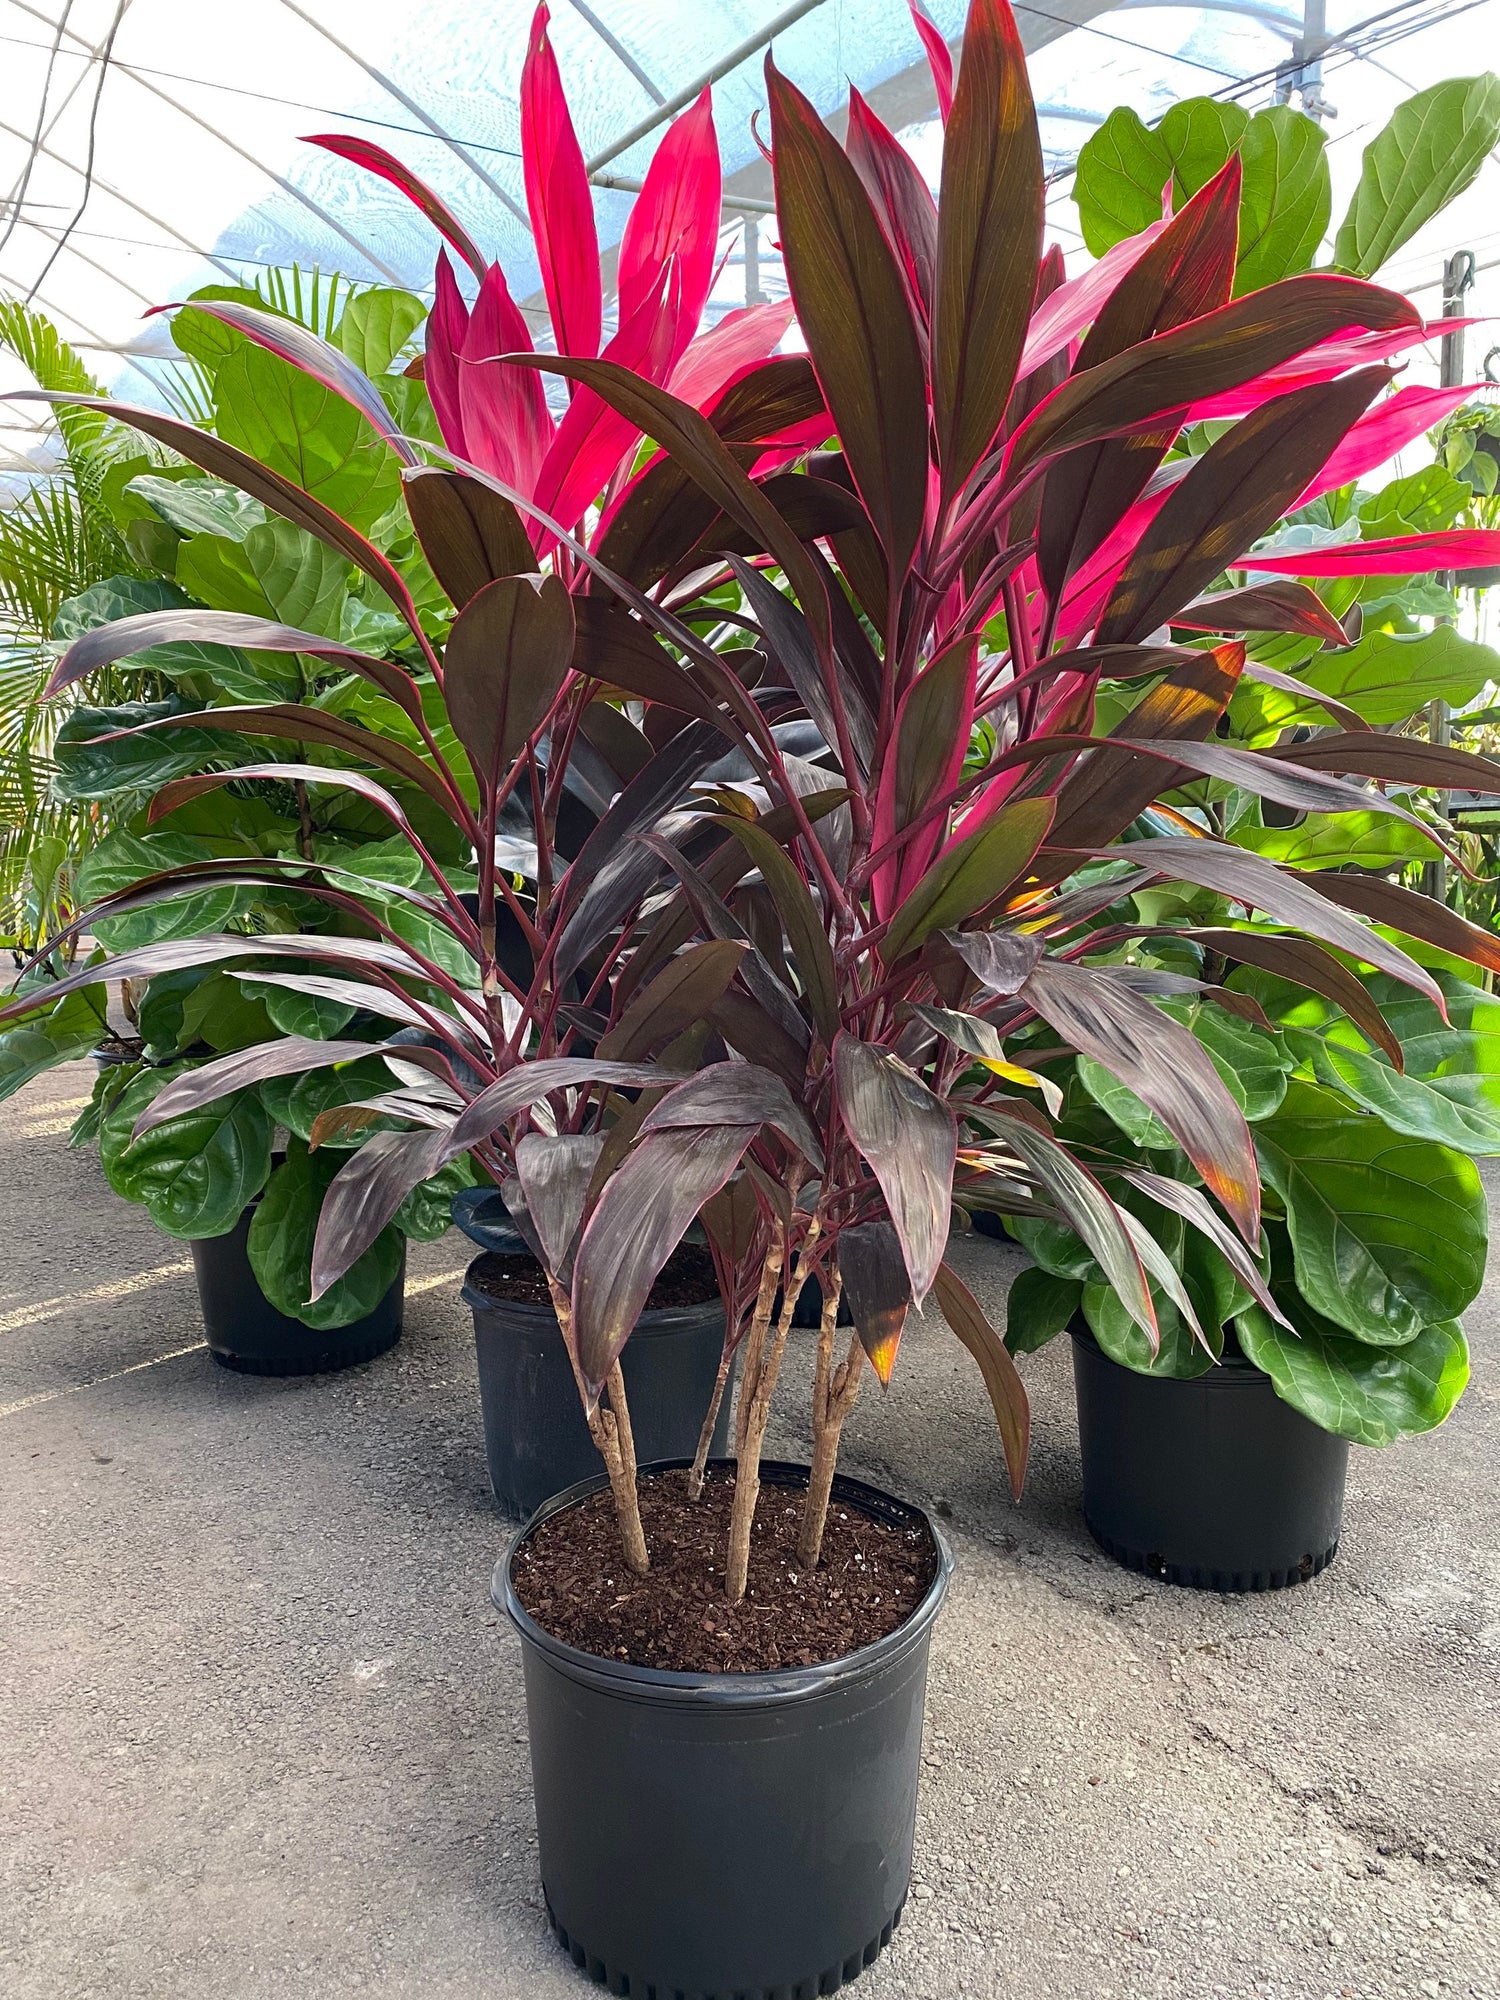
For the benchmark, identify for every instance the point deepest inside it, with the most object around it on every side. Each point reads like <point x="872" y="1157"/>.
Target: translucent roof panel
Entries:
<point x="150" y="146"/>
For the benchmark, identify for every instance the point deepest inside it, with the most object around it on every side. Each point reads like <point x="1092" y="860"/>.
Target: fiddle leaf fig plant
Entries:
<point x="894" y="669"/>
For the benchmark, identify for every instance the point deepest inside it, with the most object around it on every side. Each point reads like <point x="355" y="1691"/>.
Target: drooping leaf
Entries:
<point x="376" y="160"/>
<point x="554" y="1170"/>
<point x="281" y="1239"/>
<point x="737" y="1094"/>
<point x="469" y="534"/>
<point x="877" y="1290"/>
<point x="1284" y="897"/>
<point x="637" y="1223"/>
<point x="1007" y="1396"/>
<point x="909" y="1140"/>
<point x="1267" y="607"/>
<point x="1416" y="916"/>
<point x="196" y="1173"/>
<point x="1167" y="1068"/>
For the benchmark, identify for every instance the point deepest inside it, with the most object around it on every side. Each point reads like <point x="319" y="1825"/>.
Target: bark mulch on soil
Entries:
<point x="570" y="1577"/>
<point x="688" y="1280"/>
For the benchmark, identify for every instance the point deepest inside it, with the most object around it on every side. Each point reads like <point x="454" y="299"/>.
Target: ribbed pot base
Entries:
<point x="619" y="1981"/>
<point x="1193" y="1577"/>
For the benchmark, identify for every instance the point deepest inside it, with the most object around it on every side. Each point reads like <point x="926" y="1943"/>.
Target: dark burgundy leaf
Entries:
<point x="876" y="1289"/>
<point x="1007" y="1395"/>
<point x="731" y="1093"/>
<point x="909" y="1140"/>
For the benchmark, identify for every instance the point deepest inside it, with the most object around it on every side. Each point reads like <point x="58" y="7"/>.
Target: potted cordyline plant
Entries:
<point x="797" y="974"/>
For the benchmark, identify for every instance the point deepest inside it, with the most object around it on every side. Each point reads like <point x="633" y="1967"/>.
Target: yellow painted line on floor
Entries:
<point x="65" y="1302"/>
<point x="77" y="1388"/>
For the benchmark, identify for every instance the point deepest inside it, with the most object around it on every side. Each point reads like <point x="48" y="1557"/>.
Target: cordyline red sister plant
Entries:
<point x="773" y="989"/>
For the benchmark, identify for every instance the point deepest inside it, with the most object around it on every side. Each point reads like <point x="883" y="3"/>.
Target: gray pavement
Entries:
<point x="264" y="1735"/>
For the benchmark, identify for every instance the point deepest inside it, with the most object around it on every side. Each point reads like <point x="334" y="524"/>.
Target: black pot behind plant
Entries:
<point x="1212" y="1482"/>
<point x="246" y="1332"/>
<point x="535" y="1438"/>
<point x="727" y="1834"/>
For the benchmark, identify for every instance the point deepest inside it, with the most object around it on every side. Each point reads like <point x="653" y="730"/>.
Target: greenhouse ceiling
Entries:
<point x="151" y="146"/>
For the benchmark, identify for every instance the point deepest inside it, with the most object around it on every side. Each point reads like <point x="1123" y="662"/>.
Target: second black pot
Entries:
<point x="747" y="1836"/>
<point x="1212" y="1482"/>
<point x="535" y="1436"/>
<point x="246" y="1332"/>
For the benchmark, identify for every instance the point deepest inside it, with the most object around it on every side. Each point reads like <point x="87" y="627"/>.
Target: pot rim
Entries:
<point x="665" y="1319"/>
<point x="768" y="1689"/>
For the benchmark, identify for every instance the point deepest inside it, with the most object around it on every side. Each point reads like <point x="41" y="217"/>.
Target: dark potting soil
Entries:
<point x="121" y="1048"/>
<point x="688" y="1280"/>
<point x="571" y="1578"/>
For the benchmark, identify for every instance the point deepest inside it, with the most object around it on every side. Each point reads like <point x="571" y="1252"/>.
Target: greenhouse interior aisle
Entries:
<point x="266" y="1735"/>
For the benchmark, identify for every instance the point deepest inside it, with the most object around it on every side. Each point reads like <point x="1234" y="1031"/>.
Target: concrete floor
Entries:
<point x="264" y="1735"/>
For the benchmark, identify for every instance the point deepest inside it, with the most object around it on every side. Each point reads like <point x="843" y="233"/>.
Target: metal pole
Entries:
<point x="752" y="261"/>
<point x="1458" y="278"/>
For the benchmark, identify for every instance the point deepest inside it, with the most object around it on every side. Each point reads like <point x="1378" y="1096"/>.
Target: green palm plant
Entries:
<point x="56" y="541"/>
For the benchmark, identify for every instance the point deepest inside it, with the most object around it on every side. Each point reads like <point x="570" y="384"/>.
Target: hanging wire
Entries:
<point x="18" y="196"/>
<point x="88" y="172"/>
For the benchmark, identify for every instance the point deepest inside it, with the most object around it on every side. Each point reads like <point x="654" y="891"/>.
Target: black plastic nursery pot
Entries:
<point x="727" y="1836"/>
<point x="247" y="1333"/>
<point x="535" y="1437"/>
<point x="1214" y="1482"/>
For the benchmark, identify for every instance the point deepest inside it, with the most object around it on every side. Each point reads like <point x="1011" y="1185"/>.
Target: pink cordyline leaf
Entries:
<point x="675" y="219"/>
<point x="503" y="410"/>
<point x="940" y="61"/>
<point x="1318" y="364"/>
<point x="593" y="439"/>
<point x="1403" y="555"/>
<point x="376" y="160"/>
<point x="1075" y="304"/>
<point x="558" y="200"/>
<point x="1379" y="435"/>
<point x="716" y="359"/>
<point x="447" y="324"/>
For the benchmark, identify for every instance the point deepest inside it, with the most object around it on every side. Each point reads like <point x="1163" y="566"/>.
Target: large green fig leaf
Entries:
<point x="376" y="325"/>
<point x="88" y="768"/>
<point x="70" y="1028"/>
<point x="297" y="1101"/>
<point x="305" y="432"/>
<point x="1038" y="1307"/>
<point x="1287" y="196"/>
<point x="196" y="1174"/>
<point x="125" y="596"/>
<point x="426" y="1211"/>
<point x="1334" y="840"/>
<point x="124" y="859"/>
<point x="281" y="1242"/>
<point x="1388" y="1232"/>
<point x="1434" y="145"/>
<point x="1370" y="1395"/>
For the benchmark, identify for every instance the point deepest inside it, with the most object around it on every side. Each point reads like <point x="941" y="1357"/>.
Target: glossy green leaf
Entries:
<point x="1039" y="1306"/>
<point x="376" y="325"/>
<point x="88" y="768"/>
<point x="1337" y="840"/>
<point x="127" y="596"/>
<point x="275" y="571"/>
<point x="1287" y="198"/>
<point x="426" y="1212"/>
<point x="311" y="1014"/>
<point x="298" y="1101"/>
<point x="281" y="1240"/>
<point x="197" y="507"/>
<point x="306" y="432"/>
<point x="1388" y="676"/>
<point x="1430" y="151"/>
<point x="194" y="1174"/>
<point x="69" y="1029"/>
<point x="1388" y="1232"/>
<point x="1370" y="1395"/>
<point x="1216" y="1295"/>
<point x="124" y="859"/>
